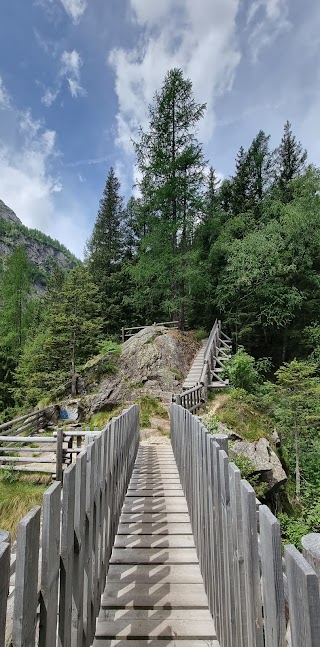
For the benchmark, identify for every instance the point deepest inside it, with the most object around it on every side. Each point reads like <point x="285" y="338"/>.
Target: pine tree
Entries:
<point x="211" y="195"/>
<point x="16" y="302"/>
<point x="105" y="252"/>
<point x="260" y="168"/>
<point x="240" y="185"/>
<point x="290" y="162"/>
<point x="171" y="163"/>
<point x="68" y="336"/>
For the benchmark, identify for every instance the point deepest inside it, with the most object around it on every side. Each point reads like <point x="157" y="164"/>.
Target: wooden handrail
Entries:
<point x="61" y="566"/>
<point x="238" y="541"/>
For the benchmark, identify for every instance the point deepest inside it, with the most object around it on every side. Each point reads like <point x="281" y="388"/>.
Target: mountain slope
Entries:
<point x="42" y="251"/>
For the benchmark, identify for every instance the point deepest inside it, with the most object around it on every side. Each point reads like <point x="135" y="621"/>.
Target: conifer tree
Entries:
<point x="68" y="336"/>
<point x="105" y="253"/>
<point x="290" y="162"/>
<point x="171" y="163"/>
<point x="16" y="302"/>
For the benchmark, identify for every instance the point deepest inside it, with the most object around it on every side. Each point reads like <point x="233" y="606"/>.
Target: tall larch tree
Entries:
<point x="171" y="163"/>
<point x="105" y="253"/>
<point x="290" y="162"/>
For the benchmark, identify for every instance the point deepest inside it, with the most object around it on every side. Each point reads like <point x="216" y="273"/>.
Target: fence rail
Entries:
<point x="58" y="451"/>
<point x="67" y="576"/>
<point x="194" y="398"/>
<point x="126" y="333"/>
<point x="240" y="551"/>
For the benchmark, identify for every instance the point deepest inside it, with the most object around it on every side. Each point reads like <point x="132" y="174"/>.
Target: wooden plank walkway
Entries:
<point x="194" y="375"/>
<point x="154" y="594"/>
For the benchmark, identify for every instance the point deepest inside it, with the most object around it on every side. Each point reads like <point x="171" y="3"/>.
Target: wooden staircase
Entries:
<point x="194" y="375"/>
<point x="222" y="355"/>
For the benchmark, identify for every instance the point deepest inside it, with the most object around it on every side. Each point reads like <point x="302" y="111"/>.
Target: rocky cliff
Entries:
<point x="42" y="251"/>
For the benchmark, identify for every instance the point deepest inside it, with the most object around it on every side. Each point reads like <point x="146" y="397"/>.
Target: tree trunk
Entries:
<point x="297" y="451"/>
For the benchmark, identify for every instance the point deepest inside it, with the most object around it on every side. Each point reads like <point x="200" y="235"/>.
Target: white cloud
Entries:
<point x="70" y="70"/>
<point x="198" y="37"/>
<point x="4" y="96"/>
<point x="266" y="20"/>
<point x="74" y="8"/>
<point x="30" y="185"/>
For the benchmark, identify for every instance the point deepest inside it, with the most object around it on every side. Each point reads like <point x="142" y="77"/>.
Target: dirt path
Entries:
<point x="215" y="404"/>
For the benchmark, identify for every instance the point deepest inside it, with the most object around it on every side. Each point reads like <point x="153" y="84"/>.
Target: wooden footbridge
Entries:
<point x="157" y="545"/>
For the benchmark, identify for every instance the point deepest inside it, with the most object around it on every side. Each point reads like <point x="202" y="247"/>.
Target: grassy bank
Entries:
<point x="18" y="495"/>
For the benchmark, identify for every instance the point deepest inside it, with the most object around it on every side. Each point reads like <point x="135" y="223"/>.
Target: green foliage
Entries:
<point x="18" y="497"/>
<point x="248" y="469"/>
<point x="200" y="334"/>
<point x="67" y="336"/>
<point x="244" y="372"/>
<point x="9" y="474"/>
<point x="211" y="422"/>
<point x="171" y="164"/>
<point x="242" y="412"/>
<point x="150" y="406"/>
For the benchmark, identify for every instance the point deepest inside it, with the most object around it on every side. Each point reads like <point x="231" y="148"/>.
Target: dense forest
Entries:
<point x="190" y="247"/>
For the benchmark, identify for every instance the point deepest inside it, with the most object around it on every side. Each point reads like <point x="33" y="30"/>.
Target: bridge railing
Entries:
<point x="126" y="333"/>
<point x="254" y="600"/>
<point x="61" y="563"/>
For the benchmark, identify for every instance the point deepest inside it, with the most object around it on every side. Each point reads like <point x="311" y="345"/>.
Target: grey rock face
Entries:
<point x="7" y="214"/>
<point x="40" y="253"/>
<point x="265" y="460"/>
<point x="153" y="362"/>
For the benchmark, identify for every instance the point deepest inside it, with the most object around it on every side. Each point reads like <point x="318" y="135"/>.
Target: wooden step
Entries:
<point x="107" y="642"/>
<point x="155" y="573"/>
<point x="154" y="529"/>
<point x="154" y="556"/>
<point x="154" y="541"/>
<point x="119" y="594"/>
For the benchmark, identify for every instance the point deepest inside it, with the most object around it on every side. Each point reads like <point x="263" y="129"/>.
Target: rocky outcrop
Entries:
<point x="153" y="362"/>
<point x="265" y="460"/>
<point x="42" y="251"/>
<point x="8" y="215"/>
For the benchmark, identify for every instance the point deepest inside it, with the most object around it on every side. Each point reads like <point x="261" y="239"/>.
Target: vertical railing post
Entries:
<point x="59" y="455"/>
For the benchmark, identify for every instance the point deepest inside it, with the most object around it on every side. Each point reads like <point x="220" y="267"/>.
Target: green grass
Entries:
<point x="101" y="419"/>
<point x="19" y="496"/>
<point x="238" y="413"/>
<point x="150" y="407"/>
<point x="200" y="334"/>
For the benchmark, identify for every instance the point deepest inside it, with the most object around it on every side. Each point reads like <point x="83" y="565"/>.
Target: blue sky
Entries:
<point x="76" y="77"/>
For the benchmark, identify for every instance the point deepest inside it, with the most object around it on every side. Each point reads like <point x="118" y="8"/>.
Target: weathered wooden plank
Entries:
<point x="4" y="587"/>
<point x="79" y="552"/>
<point x="107" y="642"/>
<point x="154" y="541"/>
<point x="154" y="494"/>
<point x="67" y="548"/>
<point x="26" y="582"/>
<point x="251" y="563"/>
<point x="304" y="599"/>
<point x="158" y="596"/>
<point x="238" y="556"/>
<point x="311" y="551"/>
<point x="50" y="565"/>
<point x="167" y="627"/>
<point x="59" y="454"/>
<point x="272" y="579"/>
<point x="155" y="573"/>
<point x="154" y="556"/>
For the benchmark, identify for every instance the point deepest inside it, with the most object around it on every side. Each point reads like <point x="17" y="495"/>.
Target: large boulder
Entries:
<point x="153" y="362"/>
<point x="265" y="460"/>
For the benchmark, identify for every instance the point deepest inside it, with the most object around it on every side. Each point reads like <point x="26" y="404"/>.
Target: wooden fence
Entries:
<point x="255" y="602"/>
<point x="61" y="569"/>
<point x="193" y="399"/>
<point x="28" y="423"/>
<point x="42" y="454"/>
<point x="126" y="333"/>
